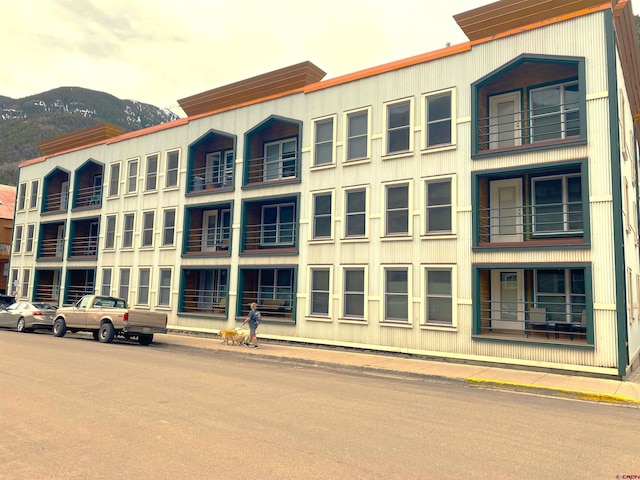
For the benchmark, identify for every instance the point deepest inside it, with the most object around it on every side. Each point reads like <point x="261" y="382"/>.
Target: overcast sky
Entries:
<point x="159" y="51"/>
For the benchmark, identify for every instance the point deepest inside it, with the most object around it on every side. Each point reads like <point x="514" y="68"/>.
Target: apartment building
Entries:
<point x="478" y="202"/>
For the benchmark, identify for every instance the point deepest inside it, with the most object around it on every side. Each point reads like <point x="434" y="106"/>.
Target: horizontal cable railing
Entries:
<point x="270" y="235"/>
<point x="47" y="293"/>
<point x="51" y="247"/>
<point x="203" y="178"/>
<point x="84" y="246"/>
<point x="535" y="125"/>
<point x="76" y="292"/>
<point x="215" y="239"/>
<point x="57" y="202"/>
<point x="89" y="196"/>
<point x="212" y="301"/>
<point x="268" y="169"/>
<point x="273" y="302"/>
<point x="531" y="221"/>
<point x="549" y="316"/>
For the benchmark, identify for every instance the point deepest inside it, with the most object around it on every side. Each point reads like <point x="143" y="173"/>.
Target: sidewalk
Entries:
<point x="543" y="383"/>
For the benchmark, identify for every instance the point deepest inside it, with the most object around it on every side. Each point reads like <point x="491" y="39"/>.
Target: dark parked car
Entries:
<point x="25" y="316"/>
<point x="6" y="300"/>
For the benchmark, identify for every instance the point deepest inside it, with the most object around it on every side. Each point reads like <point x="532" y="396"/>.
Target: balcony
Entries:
<point x="271" y="226"/>
<point x="80" y="282"/>
<point x="84" y="239"/>
<point x="56" y="192"/>
<point x="51" y="244"/>
<point x="205" y="291"/>
<point x="211" y="163"/>
<point x="47" y="285"/>
<point x="273" y="289"/>
<point x="88" y="185"/>
<point x="273" y="153"/>
<point x="208" y="230"/>
<point x="533" y="101"/>
<point x="534" y="207"/>
<point x="546" y="304"/>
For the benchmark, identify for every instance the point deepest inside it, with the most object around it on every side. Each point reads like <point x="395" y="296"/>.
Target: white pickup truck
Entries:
<point x="107" y="317"/>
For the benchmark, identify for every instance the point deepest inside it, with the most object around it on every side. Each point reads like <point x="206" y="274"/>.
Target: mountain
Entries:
<point x="25" y="122"/>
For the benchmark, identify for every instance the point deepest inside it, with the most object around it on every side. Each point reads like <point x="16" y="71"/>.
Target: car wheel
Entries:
<point x="21" y="326"/>
<point x="59" y="327"/>
<point x="106" y="333"/>
<point x="145" y="339"/>
<point x="96" y="335"/>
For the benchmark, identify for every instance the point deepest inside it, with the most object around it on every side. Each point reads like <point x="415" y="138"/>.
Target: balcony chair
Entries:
<point x="537" y="321"/>
<point x="580" y="327"/>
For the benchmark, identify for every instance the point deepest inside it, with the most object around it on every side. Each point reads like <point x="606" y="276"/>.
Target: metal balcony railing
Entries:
<point x="557" y="122"/>
<point x="270" y="235"/>
<point x="84" y="246"/>
<point x="209" y="301"/>
<point x="530" y="222"/>
<point x="89" y="196"/>
<point x="548" y="318"/>
<point x="270" y="169"/>
<point x="208" y="178"/>
<point x="52" y="248"/>
<point x="216" y="239"/>
<point x="274" y="302"/>
<point x="47" y="293"/>
<point x="76" y="292"/>
<point x="57" y="202"/>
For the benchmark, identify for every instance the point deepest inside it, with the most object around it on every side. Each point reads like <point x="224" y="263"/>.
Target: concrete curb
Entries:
<point x="556" y="392"/>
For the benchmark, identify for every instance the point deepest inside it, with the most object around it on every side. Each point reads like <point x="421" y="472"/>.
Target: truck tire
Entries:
<point x="145" y="339"/>
<point x="21" y="327"/>
<point x="106" y="333"/>
<point x="59" y="327"/>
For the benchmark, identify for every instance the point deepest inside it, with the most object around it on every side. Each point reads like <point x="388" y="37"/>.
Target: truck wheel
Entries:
<point x="145" y="339"/>
<point x="59" y="327"/>
<point x="106" y="333"/>
<point x="21" y="327"/>
<point x="95" y="335"/>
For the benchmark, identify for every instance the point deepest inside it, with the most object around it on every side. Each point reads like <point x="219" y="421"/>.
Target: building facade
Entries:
<point x="479" y="202"/>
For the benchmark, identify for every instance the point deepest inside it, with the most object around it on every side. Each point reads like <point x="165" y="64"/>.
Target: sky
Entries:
<point x="160" y="51"/>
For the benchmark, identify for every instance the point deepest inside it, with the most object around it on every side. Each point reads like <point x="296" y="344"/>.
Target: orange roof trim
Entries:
<point x="80" y="138"/>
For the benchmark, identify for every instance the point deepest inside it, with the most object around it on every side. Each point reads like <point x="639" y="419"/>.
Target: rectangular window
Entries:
<point x="171" y="174"/>
<point x="30" y="234"/>
<point x="132" y="176"/>
<point x="557" y="204"/>
<point x="355" y="212"/>
<point x="127" y="230"/>
<point x="354" y="293"/>
<point x="114" y="180"/>
<point x="105" y="289"/>
<point x="144" y="279"/>
<point x="110" y="235"/>
<point x="398" y="127"/>
<point x="396" y="294"/>
<point x="397" y="210"/>
<point x="169" y="227"/>
<point x="320" y="291"/>
<point x="22" y="193"/>
<point x="33" y="199"/>
<point x="280" y="159"/>
<point x="322" y="216"/>
<point x="438" y="296"/>
<point x="358" y="135"/>
<point x="164" y="287"/>
<point x="562" y="293"/>
<point x="17" y="240"/>
<point x="323" y="142"/>
<point x="438" y="119"/>
<point x="14" y="281"/>
<point x="151" y="178"/>
<point x="26" y="277"/>
<point x="125" y="279"/>
<point x="278" y="224"/>
<point x="148" y="219"/>
<point x="439" y="211"/>
<point x="555" y="112"/>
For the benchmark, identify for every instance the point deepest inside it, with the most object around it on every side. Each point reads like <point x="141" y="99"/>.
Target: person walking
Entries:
<point x="254" y="320"/>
